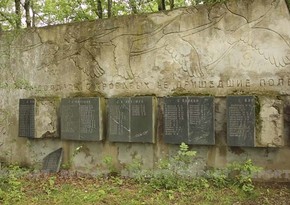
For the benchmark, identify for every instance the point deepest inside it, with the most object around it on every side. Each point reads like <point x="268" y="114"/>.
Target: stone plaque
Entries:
<point x="189" y="119"/>
<point x="51" y="163"/>
<point x="131" y="119"/>
<point x="81" y="119"/>
<point x="201" y="120"/>
<point x="142" y="119"/>
<point x="241" y="121"/>
<point x="119" y="122"/>
<point x="27" y="118"/>
<point x="175" y="120"/>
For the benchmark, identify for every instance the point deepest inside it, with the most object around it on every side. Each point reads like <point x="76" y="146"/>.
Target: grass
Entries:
<point x="75" y="188"/>
<point x="172" y="182"/>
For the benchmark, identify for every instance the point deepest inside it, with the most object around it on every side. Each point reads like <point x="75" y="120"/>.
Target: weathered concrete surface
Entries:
<point x="241" y="47"/>
<point x="270" y="123"/>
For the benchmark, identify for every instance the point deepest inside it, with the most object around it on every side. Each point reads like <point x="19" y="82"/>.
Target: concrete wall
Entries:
<point x="241" y="47"/>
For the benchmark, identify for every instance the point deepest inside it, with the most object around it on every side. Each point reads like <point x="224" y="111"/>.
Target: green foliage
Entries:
<point x="235" y="174"/>
<point x="108" y="161"/>
<point x="51" y="12"/>
<point x="288" y="4"/>
<point x="171" y="173"/>
<point x="242" y="174"/>
<point x="8" y="17"/>
<point x="10" y="184"/>
<point x="49" y="186"/>
<point x="184" y="155"/>
<point x="19" y="187"/>
<point x="76" y="151"/>
<point x="60" y="11"/>
<point x="176" y="173"/>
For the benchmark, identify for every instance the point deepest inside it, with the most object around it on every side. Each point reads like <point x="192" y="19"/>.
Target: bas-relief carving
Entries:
<point x="196" y="43"/>
<point x="223" y="42"/>
<point x="226" y="36"/>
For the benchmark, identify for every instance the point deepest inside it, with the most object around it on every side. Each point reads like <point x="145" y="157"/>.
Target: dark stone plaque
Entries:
<point x="89" y="119"/>
<point x="142" y="119"/>
<point x="201" y="120"/>
<point x="189" y="119"/>
<point x="27" y="118"/>
<point x="51" y="163"/>
<point x="70" y="118"/>
<point x="119" y="120"/>
<point x="80" y="119"/>
<point x="175" y="120"/>
<point x="131" y="119"/>
<point x="241" y="120"/>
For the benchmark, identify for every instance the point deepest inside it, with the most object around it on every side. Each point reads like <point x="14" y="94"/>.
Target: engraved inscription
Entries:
<point x="142" y="119"/>
<point x="240" y="120"/>
<point x="80" y="119"/>
<point x="69" y="118"/>
<point x="131" y="119"/>
<point x="201" y="120"/>
<point x="89" y="118"/>
<point x="189" y="119"/>
<point x="119" y="128"/>
<point x="27" y="118"/>
<point x="175" y="125"/>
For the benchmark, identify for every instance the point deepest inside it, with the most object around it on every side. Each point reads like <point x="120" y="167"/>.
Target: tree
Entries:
<point x="161" y="5"/>
<point x="7" y="15"/>
<point x="50" y="12"/>
<point x="133" y="6"/>
<point x="100" y="9"/>
<point x="27" y="13"/>
<point x="18" y="13"/>
<point x="109" y="8"/>
<point x="171" y="4"/>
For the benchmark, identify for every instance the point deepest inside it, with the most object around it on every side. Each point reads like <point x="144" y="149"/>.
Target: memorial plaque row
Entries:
<point x="188" y="119"/>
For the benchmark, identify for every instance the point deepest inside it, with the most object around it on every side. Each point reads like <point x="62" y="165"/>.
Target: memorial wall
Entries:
<point x="135" y="87"/>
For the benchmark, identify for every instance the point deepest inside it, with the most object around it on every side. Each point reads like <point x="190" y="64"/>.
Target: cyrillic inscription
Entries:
<point x="241" y="120"/>
<point x="27" y="118"/>
<point x="131" y="119"/>
<point x="81" y="119"/>
<point x="189" y="119"/>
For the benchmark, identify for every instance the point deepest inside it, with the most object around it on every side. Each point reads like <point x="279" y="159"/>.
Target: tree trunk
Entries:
<point x="109" y="8"/>
<point x="132" y="4"/>
<point x="161" y="5"/>
<point x="33" y="14"/>
<point x="171" y="4"/>
<point x="18" y="13"/>
<point x="100" y="10"/>
<point x="27" y="13"/>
